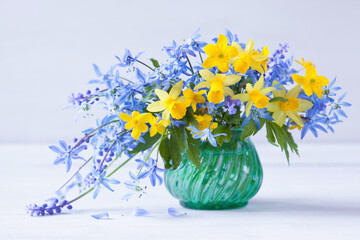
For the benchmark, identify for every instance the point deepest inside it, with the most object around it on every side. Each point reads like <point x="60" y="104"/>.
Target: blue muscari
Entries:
<point x="118" y="93"/>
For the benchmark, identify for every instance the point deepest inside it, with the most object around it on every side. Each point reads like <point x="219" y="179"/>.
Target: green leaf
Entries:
<point x="248" y="130"/>
<point x="155" y="62"/>
<point x="149" y="142"/>
<point x="179" y="138"/>
<point x="270" y="135"/>
<point x="192" y="150"/>
<point x="190" y="119"/>
<point x="164" y="150"/>
<point x="174" y="149"/>
<point x="278" y="99"/>
<point x="222" y="129"/>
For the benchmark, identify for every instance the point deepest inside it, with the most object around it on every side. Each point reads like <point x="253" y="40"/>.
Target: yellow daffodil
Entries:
<point x="136" y="122"/>
<point x="249" y="58"/>
<point x="169" y="103"/>
<point x="156" y="126"/>
<point x="305" y="64"/>
<point x="289" y="108"/>
<point x="193" y="98"/>
<point x="311" y="82"/>
<point x="261" y="67"/>
<point x="205" y="121"/>
<point x="255" y="95"/>
<point x="218" y="85"/>
<point x="219" y="54"/>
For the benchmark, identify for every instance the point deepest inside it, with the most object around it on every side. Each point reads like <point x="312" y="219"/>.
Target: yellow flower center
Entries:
<point x="221" y="55"/>
<point x="291" y="105"/>
<point x="259" y="100"/>
<point x="178" y="110"/>
<point x="312" y="80"/>
<point x="169" y="102"/>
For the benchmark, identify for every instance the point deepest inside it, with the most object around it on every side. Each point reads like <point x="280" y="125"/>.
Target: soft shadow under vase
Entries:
<point x="229" y="176"/>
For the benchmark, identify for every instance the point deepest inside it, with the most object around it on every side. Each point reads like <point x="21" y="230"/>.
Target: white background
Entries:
<point x="47" y="48"/>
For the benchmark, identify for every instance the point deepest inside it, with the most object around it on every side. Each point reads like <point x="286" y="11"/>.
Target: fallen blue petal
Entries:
<point x="139" y="212"/>
<point x="175" y="213"/>
<point x="101" y="216"/>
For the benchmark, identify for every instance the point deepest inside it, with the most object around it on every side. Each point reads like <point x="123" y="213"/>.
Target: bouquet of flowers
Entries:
<point x="199" y="94"/>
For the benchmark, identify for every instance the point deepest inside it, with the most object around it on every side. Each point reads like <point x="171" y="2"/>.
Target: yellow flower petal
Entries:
<point x="228" y="91"/>
<point x="166" y="117"/>
<point x="294" y="116"/>
<point x="304" y="105"/>
<point x="209" y="62"/>
<point x="207" y="75"/>
<point x="279" y="118"/>
<point x="129" y="125"/>
<point x="176" y="90"/>
<point x="125" y="117"/>
<point x="267" y="90"/>
<point x="216" y="96"/>
<point x="273" y="107"/>
<point x="202" y="85"/>
<point x="231" y="80"/>
<point x="135" y="114"/>
<point x="238" y="48"/>
<point x="298" y="79"/>
<point x="249" y="88"/>
<point x="259" y="58"/>
<point x="145" y="117"/>
<point x="156" y="106"/>
<point x="294" y="92"/>
<point x="249" y="46"/>
<point x="161" y="94"/>
<point x="223" y="65"/>
<point x="222" y="41"/>
<point x="248" y="107"/>
<point x="260" y="83"/>
<point x="135" y="133"/>
<point x="153" y="131"/>
<point x="244" y="97"/>
<point x="211" y="50"/>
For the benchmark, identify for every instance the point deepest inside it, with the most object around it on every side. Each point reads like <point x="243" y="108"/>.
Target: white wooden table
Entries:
<point x="317" y="197"/>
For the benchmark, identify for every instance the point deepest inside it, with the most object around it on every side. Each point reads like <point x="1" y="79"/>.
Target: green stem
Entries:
<point x="201" y="57"/>
<point x="145" y="64"/>
<point x="147" y="157"/>
<point x="191" y="68"/>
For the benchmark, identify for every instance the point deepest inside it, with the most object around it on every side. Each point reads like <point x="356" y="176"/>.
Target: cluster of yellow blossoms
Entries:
<point x="222" y="56"/>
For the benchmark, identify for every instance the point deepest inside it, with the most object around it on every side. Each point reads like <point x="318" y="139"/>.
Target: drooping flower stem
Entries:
<point x="87" y="161"/>
<point x="191" y="68"/>
<point x="143" y="64"/>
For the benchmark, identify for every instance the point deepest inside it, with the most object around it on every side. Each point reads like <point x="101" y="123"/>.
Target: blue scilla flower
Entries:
<point x="103" y="181"/>
<point x="67" y="154"/>
<point x="180" y="51"/>
<point x="128" y="60"/>
<point x="232" y="38"/>
<point x="337" y="107"/>
<point x="255" y="115"/>
<point x="312" y="122"/>
<point x="152" y="171"/>
<point x="205" y="135"/>
<point x="330" y="90"/>
<point x="55" y="206"/>
<point x="194" y="43"/>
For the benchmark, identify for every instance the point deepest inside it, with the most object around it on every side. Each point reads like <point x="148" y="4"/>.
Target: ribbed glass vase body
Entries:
<point x="228" y="177"/>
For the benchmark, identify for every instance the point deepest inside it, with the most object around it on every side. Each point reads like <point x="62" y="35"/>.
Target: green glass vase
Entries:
<point x="228" y="177"/>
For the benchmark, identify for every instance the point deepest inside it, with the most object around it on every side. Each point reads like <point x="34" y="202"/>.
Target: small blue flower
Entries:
<point x="336" y="108"/>
<point x="128" y="60"/>
<point x="255" y="115"/>
<point x="152" y="171"/>
<point x="102" y="180"/>
<point x="66" y="154"/>
<point x="205" y="135"/>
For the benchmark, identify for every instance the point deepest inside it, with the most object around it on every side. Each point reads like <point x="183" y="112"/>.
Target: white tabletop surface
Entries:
<point x="317" y="197"/>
